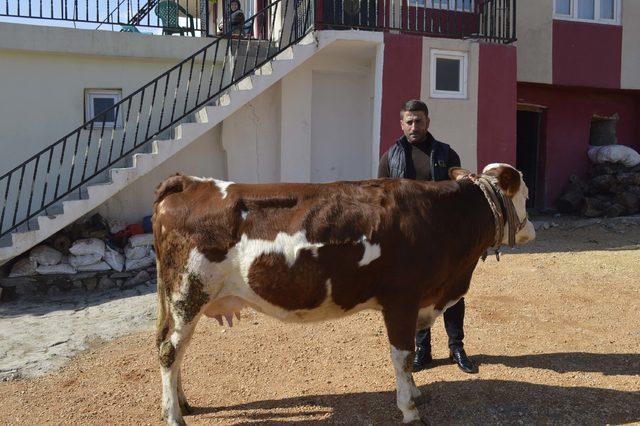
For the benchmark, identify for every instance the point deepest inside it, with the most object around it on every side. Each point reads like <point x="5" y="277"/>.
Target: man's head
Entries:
<point x="414" y="120"/>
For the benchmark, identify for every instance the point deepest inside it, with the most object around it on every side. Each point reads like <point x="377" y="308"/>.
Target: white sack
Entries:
<point x="60" y="268"/>
<point x="140" y="263"/>
<point x="88" y="246"/>
<point x="114" y="259"/>
<point x="85" y="259"/>
<point x="45" y="255"/>
<point x="100" y="266"/>
<point x="141" y="240"/>
<point x="614" y="154"/>
<point x="135" y="253"/>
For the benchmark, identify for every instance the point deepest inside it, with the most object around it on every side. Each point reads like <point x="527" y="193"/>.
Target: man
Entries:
<point x="417" y="155"/>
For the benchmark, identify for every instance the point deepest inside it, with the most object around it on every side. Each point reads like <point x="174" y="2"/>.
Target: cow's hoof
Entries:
<point x="172" y="420"/>
<point x="176" y="422"/>
<point x="422" y="399"/>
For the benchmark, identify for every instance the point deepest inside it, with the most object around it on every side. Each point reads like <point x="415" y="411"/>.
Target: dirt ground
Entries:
<point x="554" y="327"/>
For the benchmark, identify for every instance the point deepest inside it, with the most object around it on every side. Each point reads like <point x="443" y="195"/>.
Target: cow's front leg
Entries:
<point x="401" y="327"/>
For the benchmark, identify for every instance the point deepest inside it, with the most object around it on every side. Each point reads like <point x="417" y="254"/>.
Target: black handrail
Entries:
<point x="489" y="20"/>
<point x="124" y="13"/>
<point x="80" y="157"/>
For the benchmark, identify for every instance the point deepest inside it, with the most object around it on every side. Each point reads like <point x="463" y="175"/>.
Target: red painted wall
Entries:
<point x="568" y="119"/>
<point x="401" y="81"/>
<point x="497" y="88"/>
<point x="586" y="54"/>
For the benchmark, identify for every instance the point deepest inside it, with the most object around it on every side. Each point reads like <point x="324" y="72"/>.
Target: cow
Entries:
<point x="309" y="252"/>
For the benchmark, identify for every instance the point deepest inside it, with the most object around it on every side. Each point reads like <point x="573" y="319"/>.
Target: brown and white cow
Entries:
<point x="309" y="252"/>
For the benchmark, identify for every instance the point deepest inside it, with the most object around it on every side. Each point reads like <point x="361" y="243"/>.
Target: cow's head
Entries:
<point x="510" y="182"/>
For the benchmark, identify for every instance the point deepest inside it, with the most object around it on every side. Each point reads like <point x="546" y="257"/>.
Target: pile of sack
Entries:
<point x="612" y="187"/>
<point x="88" y="254"/>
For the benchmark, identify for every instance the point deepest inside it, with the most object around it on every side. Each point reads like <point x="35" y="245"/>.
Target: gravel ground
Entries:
<point x="555" y="328"/>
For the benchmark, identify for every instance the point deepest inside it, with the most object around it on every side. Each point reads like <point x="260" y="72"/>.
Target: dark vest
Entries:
<point x="401" y="150"/>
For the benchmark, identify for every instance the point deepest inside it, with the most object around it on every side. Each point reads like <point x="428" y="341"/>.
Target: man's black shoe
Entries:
<point x="459" y="356"/>
<point x="422" y="359"/>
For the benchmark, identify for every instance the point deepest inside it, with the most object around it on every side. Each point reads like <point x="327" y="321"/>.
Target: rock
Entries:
<point x="106" y="283"/>
<point x="91" y="283"/>
<point x="54" y="291"/>
<point x="141" y="277"/>
<point x="78" y="285"/>
<point x="121" y="275"/>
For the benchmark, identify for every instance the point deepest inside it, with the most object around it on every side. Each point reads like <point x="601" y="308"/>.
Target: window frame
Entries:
<point x="89" y="113"/>
<point x="463" y="57"/>
<point x="617" y="13"/>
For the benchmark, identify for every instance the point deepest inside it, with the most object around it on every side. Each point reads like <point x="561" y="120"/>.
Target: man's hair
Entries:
<point x="414" y="105"/>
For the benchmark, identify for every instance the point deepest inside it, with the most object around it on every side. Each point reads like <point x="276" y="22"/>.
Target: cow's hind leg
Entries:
<point x="171" y="354"/>
<point x="400" y="320"/>
<point x="182" y="398"/>
<point x="185" y="310"/>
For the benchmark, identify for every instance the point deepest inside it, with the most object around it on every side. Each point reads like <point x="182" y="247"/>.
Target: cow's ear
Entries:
<point x="457" y="173"/>
<point x="508" y="179"/>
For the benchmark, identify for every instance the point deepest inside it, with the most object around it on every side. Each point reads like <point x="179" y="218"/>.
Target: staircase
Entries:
<point x="82" y="170"/>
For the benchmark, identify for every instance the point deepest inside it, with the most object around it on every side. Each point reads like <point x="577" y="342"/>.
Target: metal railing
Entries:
<point x="490" y="20"/>
<point x="173" y="16"/>
<point x="110" y="138"/>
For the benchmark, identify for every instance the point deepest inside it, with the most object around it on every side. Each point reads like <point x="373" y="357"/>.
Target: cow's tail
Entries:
<point x="163" y="322"/>
<point x="171" y="185"/>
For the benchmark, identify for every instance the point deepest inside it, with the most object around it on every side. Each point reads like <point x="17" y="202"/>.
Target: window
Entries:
<point x="601" y="11"/>
<point x="459" y="5"/>
<point x="448" y="74"/>
<point x="97" y="101"/>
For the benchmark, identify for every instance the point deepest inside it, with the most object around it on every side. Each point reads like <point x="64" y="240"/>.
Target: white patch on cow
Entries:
<point x="244" y="214"/>
<point x="220" y="184"/>
<point x="494" y="166"/>
<point x="227" y="282"/>
<point x="405" y="386"/>
<point x="527" y="233"/>
<point x="288" y="245"/>
<point x="371" y="252"/>
<point x="428" y="315"/>
<point x="170" y="407"/>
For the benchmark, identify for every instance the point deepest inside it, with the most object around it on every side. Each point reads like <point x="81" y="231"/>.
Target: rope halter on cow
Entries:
<point x="500" y="204"/>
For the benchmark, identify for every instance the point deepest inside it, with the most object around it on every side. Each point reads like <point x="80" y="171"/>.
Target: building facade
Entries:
<point x="578" y="68"/>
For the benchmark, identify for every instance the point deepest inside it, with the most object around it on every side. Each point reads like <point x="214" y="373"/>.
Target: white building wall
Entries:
<point x="204" y="157"/>
<point x="251" y="139"/>
<point x="45" y="71"/>
<point x="316" y="124"/>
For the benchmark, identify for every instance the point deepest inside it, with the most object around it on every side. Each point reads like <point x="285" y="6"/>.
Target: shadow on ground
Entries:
<point x="578" y="362"/>
<point x="465" y="402"/>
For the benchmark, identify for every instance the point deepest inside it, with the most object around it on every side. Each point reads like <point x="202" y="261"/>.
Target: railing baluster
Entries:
<point x="113" y="131"/>
<point x="6" y="203"/>
<point x="15" y="211"/>
<point x="135" y="137"/>
<point x="153" y="100"/>
<point x="64" y="147"/>
<point x="125" y="128"/>
<point x="46" y="181"/>
<point x="186" y="96"/>
<point x="213" y="69"/>
<point x="164" y="98"/>
<point x="175" y="98"/>
<point x="74" y="159"/>
<point x="87" y="151"/>
<point x="33" y="184"/>
<point x="104" y="121"/>
<point x="204" y="59"/>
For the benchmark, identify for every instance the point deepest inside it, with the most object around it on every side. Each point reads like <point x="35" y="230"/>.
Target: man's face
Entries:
<point x="414" y="125"/>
